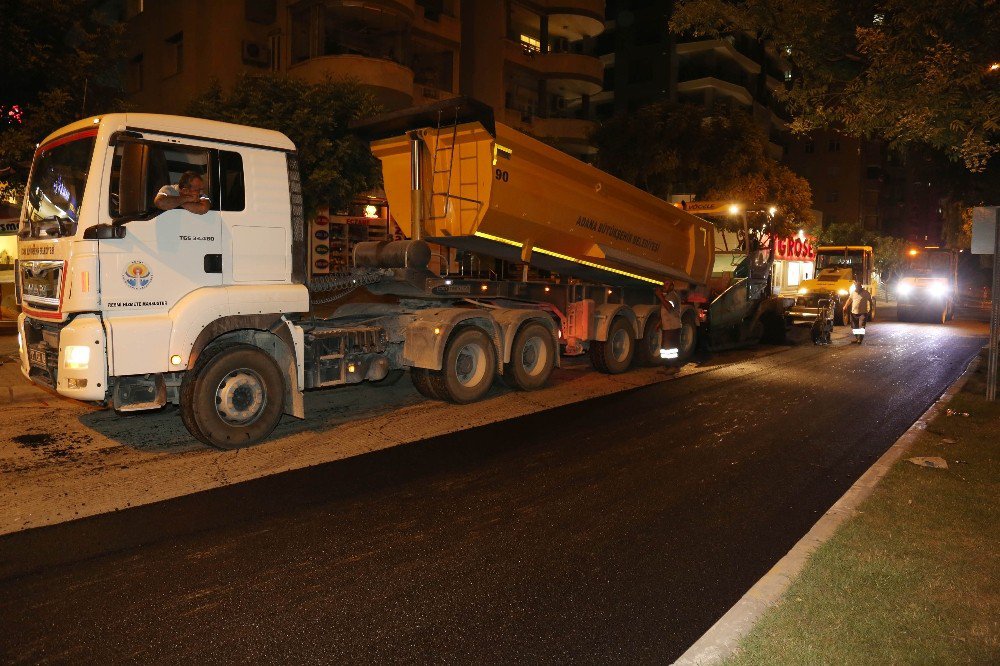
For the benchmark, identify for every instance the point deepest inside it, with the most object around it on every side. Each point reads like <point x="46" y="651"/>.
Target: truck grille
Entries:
<point x="41" y="283"/>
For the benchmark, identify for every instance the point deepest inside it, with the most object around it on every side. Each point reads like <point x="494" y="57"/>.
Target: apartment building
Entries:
<point x="646" y="63"/>
<point x="531" y="61"/>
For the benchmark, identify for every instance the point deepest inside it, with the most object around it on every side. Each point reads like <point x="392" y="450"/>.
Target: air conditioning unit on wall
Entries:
<point x="256" y="53"/>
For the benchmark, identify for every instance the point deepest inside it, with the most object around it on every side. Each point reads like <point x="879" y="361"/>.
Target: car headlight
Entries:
<point x="76" y="357"/>
<point x="904" y="289"/>
<point x="803" y="290"/>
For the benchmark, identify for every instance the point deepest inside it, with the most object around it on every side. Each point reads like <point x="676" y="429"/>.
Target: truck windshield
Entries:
<point x="56" y="185"/>
<point x="854" y="259"/>
<point x="929" y="264"/>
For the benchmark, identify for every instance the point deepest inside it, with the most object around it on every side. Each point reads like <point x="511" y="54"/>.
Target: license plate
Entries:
<point x="36" y="357"/>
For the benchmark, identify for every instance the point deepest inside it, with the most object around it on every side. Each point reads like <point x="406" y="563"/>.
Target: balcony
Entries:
<point x="721" y="47"/>
<point x="572" y="74"/>
<point x="575" y="19"/>
<point x="390" y="82"/>
<point x="571" y="135"/>
<point x="737" y="92"/>
<point x="441" y="24"/>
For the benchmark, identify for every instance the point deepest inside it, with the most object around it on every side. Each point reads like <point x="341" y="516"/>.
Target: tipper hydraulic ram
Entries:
<point x="131" y="306"/>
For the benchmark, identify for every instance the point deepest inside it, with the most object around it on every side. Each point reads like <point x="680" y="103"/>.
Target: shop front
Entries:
<point x="9" y="215"/>
<point x="794" y="261"/>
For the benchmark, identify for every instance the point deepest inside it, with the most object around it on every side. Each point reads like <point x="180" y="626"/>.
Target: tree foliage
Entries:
<point x="58" y="59"/>
<point x="335" y="165"/>
<point x="909" y="71"/>
<point x="669" y="149"/>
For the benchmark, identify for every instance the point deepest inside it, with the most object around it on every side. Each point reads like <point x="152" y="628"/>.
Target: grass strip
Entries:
<point x="915" y="576"/>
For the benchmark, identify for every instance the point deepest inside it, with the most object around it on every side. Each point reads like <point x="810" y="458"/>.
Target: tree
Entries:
<point x="669" y="149"/>
<point x="908" y="71"/>
<point x="335" y="165"/>
<point x="60" y="61"/>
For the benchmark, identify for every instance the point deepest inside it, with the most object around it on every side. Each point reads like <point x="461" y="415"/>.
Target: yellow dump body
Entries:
<point x="518" y="195"/>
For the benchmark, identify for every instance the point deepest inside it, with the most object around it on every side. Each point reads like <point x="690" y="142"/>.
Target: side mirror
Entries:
<point x="104" y="232"/>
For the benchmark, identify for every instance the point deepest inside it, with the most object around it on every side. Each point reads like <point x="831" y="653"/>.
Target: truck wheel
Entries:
<point x="647" y="352"/>
<point x="532" y="358"/>
<point x="614" y="355"/>
<point x="422" y="382"/>
<point x="689" y="340"/>
<point x="234" y="396"/>
<point x="468" y="368"/>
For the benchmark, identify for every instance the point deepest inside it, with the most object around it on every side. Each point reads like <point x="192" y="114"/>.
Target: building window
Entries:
<point x="301" y="41"/>
<point x="834" y="145"/>
<point x="810" y="147"/>
<point x="261" y="11"/>
<point x="173" y="60"/>
<point x="788" y="75"/>
<point x="833" y="196"/>
<point x="133" y="77"/>
<point x="640" y="71"/>
<point x="530" y="44"/>
<point x="133" y="8"/>
<point x="275" y="44"/>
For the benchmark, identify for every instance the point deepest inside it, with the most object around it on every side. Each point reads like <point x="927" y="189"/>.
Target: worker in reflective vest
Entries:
<point x="859" y="306"/>
<point x="670" y="320"/>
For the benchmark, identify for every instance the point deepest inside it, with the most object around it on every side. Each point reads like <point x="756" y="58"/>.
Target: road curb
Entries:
<point x="723" y="637"/>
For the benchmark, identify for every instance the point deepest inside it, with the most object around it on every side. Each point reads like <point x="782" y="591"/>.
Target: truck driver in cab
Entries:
<point x="189" y="194"/>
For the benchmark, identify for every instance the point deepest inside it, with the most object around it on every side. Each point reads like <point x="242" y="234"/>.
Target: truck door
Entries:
<point x="164" y="255"/>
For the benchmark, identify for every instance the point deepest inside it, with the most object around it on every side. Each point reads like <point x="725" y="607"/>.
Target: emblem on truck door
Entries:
<point x="137" y="275"/>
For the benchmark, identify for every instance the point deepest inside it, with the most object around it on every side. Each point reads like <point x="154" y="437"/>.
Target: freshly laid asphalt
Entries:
<point x="615" y="529"/>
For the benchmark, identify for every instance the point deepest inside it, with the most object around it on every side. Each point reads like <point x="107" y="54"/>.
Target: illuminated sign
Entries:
<point x="793" y="248"/>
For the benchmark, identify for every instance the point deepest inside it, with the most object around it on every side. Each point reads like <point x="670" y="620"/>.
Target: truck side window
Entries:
<point x="140" y="168"/>
<point x="233" y="187"/>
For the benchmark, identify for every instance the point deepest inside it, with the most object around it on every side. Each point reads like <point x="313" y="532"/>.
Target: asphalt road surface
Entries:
<point x="614" y="529"/>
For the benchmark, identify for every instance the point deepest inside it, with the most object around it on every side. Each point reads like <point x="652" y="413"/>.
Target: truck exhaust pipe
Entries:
<point x="416" y="188"/>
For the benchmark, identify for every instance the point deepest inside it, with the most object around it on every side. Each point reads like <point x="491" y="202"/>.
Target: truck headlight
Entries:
<point x="904" y="289"/>
<point x="939" y="290"/>
<point x="76" y="357"/>
<point x="803" y="290"/>
<point x="843" y="292"/>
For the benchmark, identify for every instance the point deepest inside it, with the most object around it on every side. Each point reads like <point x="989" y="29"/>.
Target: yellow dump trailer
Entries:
<point x="497" y="191"/>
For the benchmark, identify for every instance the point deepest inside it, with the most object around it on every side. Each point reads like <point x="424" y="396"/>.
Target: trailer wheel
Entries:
<point x="468" y="368"/>
<point x="532" y="358"/>
<point x="422" y="382"/>
<point x="647" y="352"/>
<point x="614" y="355"/>
<point x="689" y="340"/>
<point x="233" y="397"/>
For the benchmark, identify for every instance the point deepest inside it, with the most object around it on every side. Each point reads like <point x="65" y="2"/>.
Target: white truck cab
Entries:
<point x="112" y="287"/>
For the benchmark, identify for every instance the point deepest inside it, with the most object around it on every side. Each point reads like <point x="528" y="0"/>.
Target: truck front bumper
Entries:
<point x="69" y="359"/>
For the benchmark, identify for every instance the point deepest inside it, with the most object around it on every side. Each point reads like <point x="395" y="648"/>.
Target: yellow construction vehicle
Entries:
<point x="837" y="267"/>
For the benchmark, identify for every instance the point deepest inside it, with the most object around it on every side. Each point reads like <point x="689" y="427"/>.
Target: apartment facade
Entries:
<point x="531" y="61"/>
<point x="646" y="63"/>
